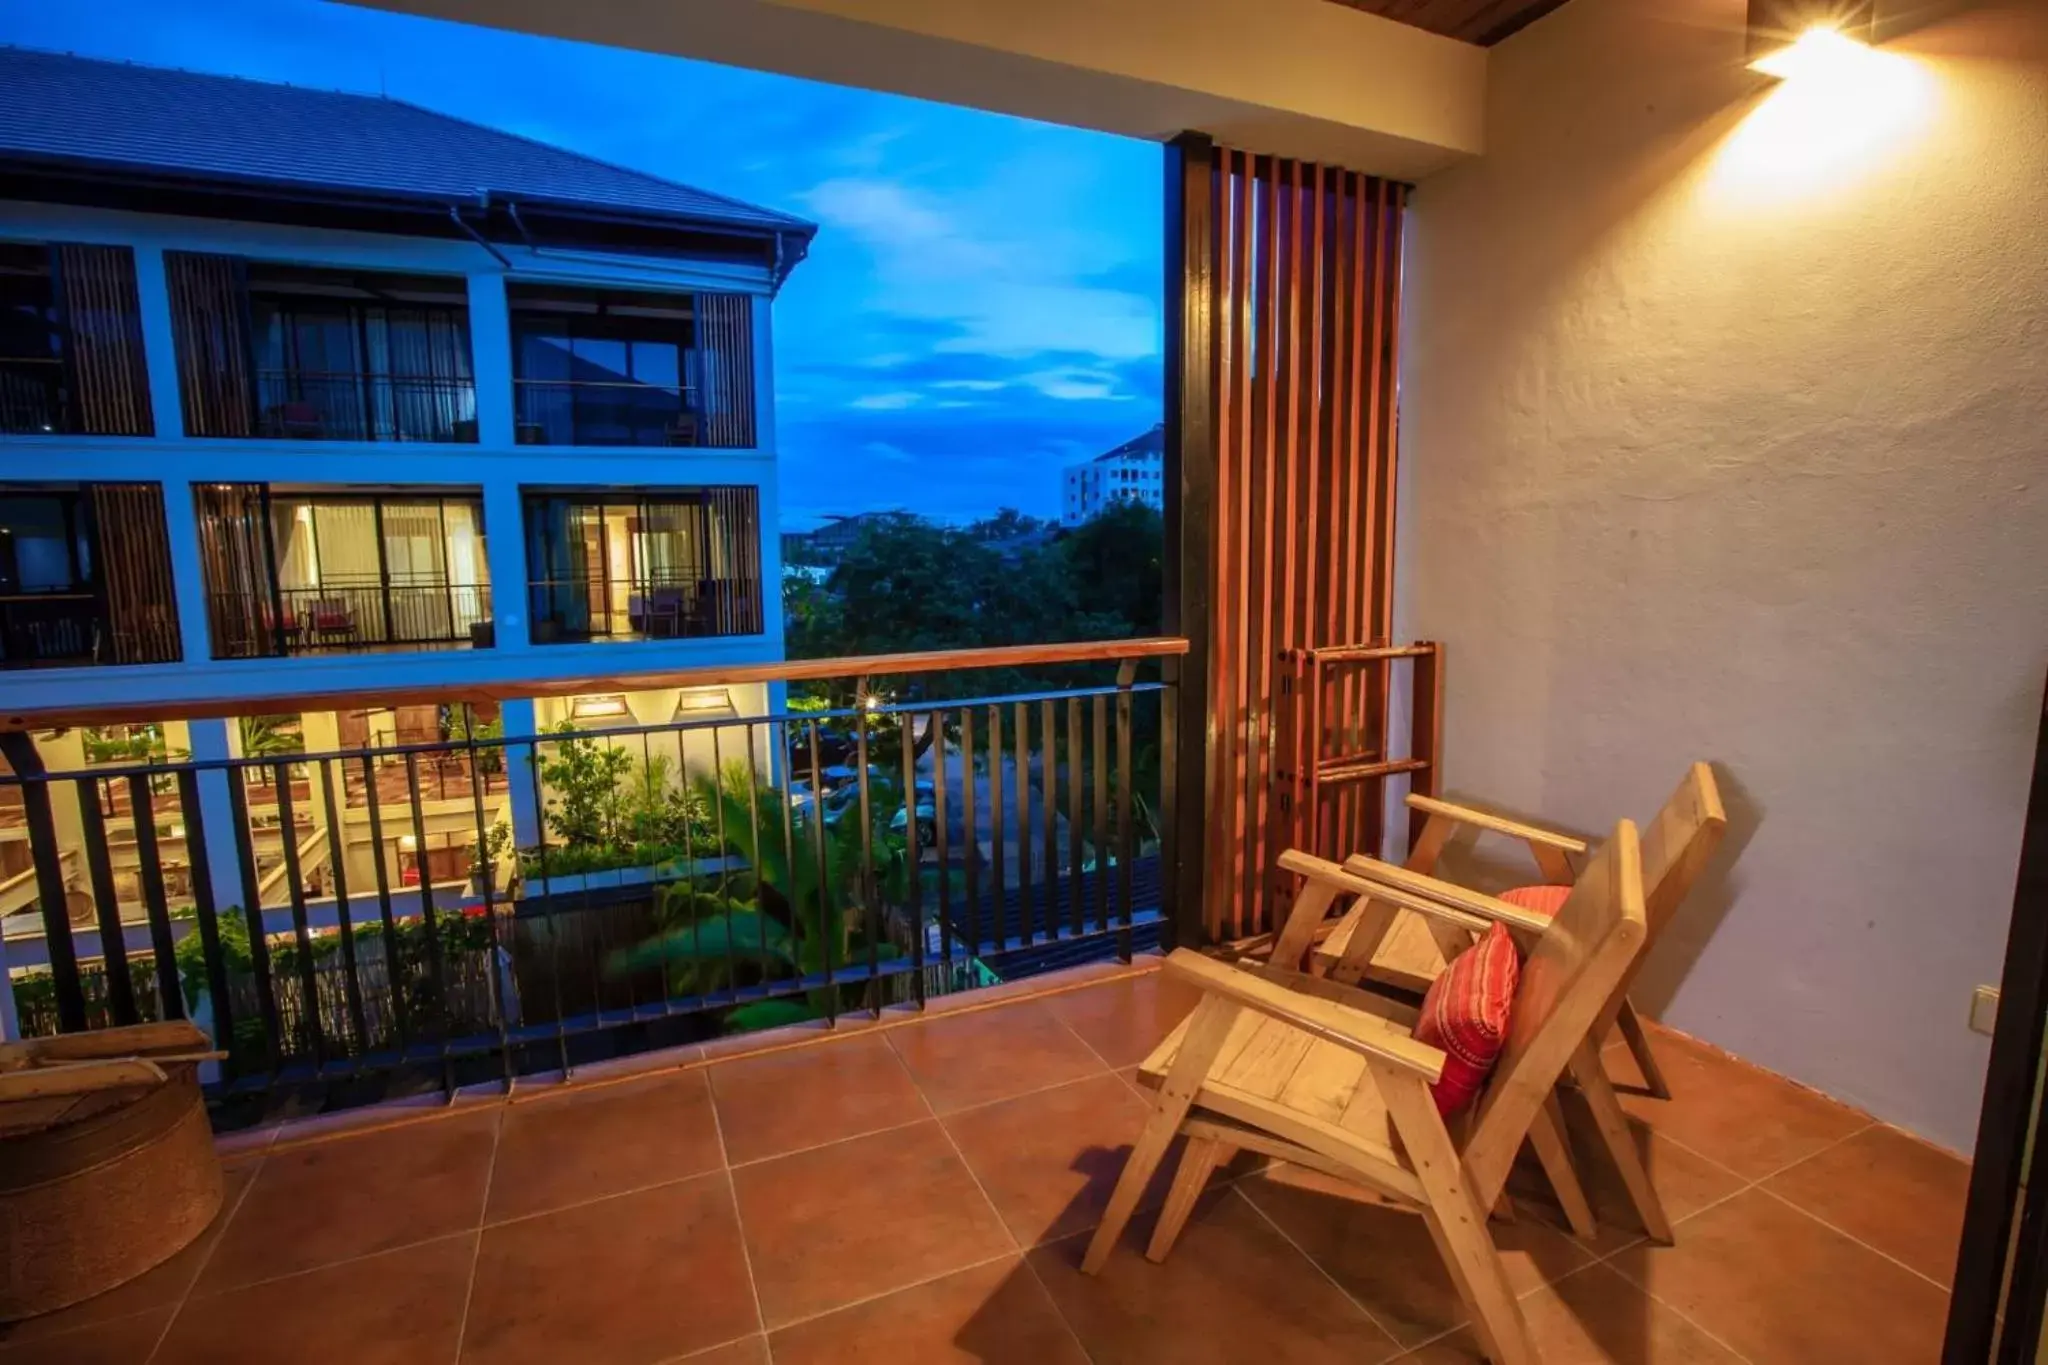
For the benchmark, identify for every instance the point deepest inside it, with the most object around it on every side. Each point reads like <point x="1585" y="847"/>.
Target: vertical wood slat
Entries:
<point x="1306" y="298"/>
<point x="725" y="337"/>
<point x="134" y="571"/>
<point x="103" y="339"/>
<point x="209" y="323"/>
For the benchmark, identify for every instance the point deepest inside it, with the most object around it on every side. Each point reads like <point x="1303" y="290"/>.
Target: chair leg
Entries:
<point x="1207" y="1028"/>
<point x="1196" y="1164"/>
<point x="1611" y="1123"/>
<point x="1553" y="1149"/>
<point x="1638" y="1041"/>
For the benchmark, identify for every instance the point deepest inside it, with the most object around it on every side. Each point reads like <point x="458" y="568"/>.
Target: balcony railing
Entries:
<point x="32" y="397"/>
<point x="345" y="617"/>
<point x="50" y="628"/>
<point x="576" y="610"/>
<point x="673" y="880"/>
<point x="338" y="406"/>
<point x="581" y="413"/>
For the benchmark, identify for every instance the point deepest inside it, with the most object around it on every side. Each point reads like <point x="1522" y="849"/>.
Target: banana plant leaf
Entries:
<point x="743" y="934"/>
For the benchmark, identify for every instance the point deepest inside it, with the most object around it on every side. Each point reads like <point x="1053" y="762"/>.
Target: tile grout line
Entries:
<point x="1321" y="1270"/>
<point x="1854" y="1240"/>
<point x="732" y="1192"/>
<point x="879" y="1295"/>
<point x="178" y="1308"/>
<point x="1023" y="1253"/>
<point x="476" y="1250"/>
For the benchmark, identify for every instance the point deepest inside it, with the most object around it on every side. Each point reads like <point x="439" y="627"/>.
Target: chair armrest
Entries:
<point x="1367" y="1035"/>
<point x="1381" y="878"/>
<point x="1514" y="829"/>
<point x="1410" y="894"/>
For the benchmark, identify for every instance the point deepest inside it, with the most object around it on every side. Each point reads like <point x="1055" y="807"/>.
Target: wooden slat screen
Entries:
<point x="725" y="345"/>
<point x="210" y="326"/>
<point x="1306" y="292"/>
<point x="103" y="340"/>
<point x="238" y="561"/>
<point x="134" y="573"/>
<point x="733" y="563"/>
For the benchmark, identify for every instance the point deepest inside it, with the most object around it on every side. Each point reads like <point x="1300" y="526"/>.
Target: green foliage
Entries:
<point x="142" y="743"/>
<point x="583" y="779"/>
<point x="266" y="737"/>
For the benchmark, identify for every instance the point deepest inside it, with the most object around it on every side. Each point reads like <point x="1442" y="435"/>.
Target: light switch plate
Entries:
<point x="1984" y="1009"/>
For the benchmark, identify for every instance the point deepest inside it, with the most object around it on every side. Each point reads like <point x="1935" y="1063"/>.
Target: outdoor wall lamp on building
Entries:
<point x="603" y="706"/>
<point x="704" y="703"/>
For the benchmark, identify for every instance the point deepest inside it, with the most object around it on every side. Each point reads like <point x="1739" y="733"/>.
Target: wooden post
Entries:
<point x="1426" y="733"/>
<point x="1187" y="782"/>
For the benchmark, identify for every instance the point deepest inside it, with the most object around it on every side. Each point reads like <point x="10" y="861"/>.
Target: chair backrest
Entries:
<point x="1571" y="973"/>
<point x="1679" y="843"/>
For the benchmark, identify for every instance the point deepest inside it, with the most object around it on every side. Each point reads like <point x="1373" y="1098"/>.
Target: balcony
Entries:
<point x="631" y="368"/>
<point x="920" y="1187"/>
<point x="70" y="593"/>
<point x="336" y="571"/>
<point x="71" y="360"/>
<point x="669" y="564"/>
<point x="291" y="353"/>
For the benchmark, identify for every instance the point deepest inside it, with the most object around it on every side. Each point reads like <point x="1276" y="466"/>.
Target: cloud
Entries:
<point x="884" y="402"/>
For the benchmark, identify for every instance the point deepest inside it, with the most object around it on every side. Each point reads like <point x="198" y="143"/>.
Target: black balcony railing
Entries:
<point x="680" y="879"/>
<point x="340" y="617"/>
<point x="33" y="399"/>
<point x="578" y="413"/>
<point x="51" y="628"/>
<point x="327" y="406"/>
<point x="575" y="610"/>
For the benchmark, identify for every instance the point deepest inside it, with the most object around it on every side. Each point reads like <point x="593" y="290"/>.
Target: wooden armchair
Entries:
<point x="1328" y="1077"/>
<point x="1677" y="846"/>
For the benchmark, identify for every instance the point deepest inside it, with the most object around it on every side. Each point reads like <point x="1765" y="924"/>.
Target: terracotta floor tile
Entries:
<point x="1124" y="1020"/>
<point x="584" y="1144"/>
<point x="624" y="1281"/>
<point x="966" y="1059"/>
<point x="397" y="1308"/>
<point x="160" y="1287"/>
<point x="1781" y="1288"/>
<point x="1050" y="1159"/>
<point x="746" y="1351"/>
<point x="119" y="1341"/>
<point x="1888" y="1188"/>
<point x="861" y="1217"/>
<point x="809" y="1096"/>
<point x="1233" y="1291"/>
<point x="1383" y="1257"/>
<point x="996" y="1314"/>
<point x="1747" y="1119"/>
<point x="329" y="1201"/>
<point x="1594" y="1317"/>
<point x="1686" y="1181"/>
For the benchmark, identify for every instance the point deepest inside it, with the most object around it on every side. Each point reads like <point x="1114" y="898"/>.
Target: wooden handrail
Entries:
<point x="782" y="670"/>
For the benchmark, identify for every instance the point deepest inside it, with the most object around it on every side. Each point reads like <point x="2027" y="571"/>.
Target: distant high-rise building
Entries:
<point x="1133" y="472"/>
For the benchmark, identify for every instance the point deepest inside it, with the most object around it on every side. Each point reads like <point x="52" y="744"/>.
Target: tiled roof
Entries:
<point x="117" y="116"/>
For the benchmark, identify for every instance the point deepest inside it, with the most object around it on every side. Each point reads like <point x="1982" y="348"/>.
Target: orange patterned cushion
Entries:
<point x="1542" y="900"/>
<point x="1466" y="1014"/>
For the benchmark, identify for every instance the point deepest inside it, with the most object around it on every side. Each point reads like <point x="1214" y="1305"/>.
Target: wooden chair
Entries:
<point x="1327" y="1076"/>
<point x="1369" y="944"/>
<point x="1677" y="846"/>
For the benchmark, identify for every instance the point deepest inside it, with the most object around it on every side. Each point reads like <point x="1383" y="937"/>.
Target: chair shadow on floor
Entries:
<point x="1280" y="1263"/>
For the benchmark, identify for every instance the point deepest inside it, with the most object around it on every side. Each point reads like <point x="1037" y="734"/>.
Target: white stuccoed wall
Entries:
<point x="1725" y="422"/>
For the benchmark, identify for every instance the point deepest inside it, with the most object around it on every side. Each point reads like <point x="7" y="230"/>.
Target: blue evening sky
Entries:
<point x="982" y="303"/>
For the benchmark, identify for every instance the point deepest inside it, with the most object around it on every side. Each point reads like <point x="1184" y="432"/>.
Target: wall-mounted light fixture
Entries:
<point x="704" y="703"/>
<point x="1785" y="36"/>
<point x="600" y="706"/>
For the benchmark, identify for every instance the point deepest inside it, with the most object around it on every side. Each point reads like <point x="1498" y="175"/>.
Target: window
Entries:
<point x="661" y="564"/>
<point x="284" y="352"/>
<point x="340" y="571"/>
<point x="70" y="594"/>
<point x="618" y="368"/>
<point x="71" y="342"/>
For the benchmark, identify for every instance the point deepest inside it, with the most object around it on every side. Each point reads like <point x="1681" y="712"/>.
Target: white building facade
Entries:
<point x="469" y="410"/>
<point x="1133" y="472"/>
